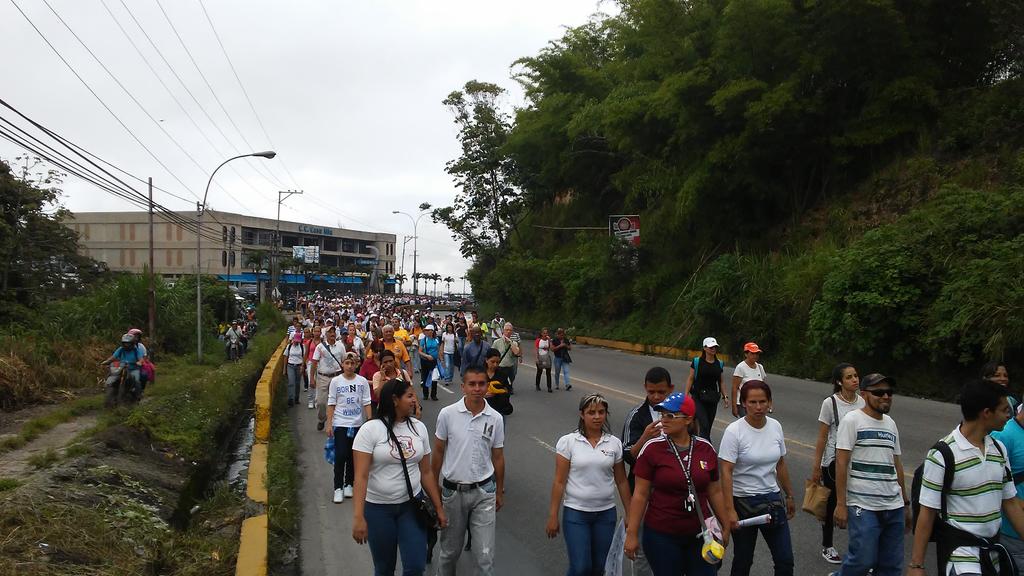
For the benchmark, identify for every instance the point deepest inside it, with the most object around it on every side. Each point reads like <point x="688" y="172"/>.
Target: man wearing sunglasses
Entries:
<point x="870" y="496"/>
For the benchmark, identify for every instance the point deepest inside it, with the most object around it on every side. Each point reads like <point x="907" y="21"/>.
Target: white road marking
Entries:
<point x="544" y="444"/>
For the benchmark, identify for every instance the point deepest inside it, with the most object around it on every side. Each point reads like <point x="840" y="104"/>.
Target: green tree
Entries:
<point x="448" y="284"/>
<point x="489" y="203"/>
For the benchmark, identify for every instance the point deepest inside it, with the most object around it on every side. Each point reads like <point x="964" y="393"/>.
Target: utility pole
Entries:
<point x="274" y="268"/>
<point x="152" y="274"/>
<point x="231" y="256"/>
<point x="401" y="270"/>
<point x="199" y="296"/>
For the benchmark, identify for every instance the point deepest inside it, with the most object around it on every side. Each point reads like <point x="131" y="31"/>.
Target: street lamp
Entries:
<point x="200" y="208"/>
<point x="415" y="241"/>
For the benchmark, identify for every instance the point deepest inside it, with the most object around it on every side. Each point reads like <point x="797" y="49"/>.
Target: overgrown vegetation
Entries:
<point x="282" y="487"/>
<point x="836" y="180"/>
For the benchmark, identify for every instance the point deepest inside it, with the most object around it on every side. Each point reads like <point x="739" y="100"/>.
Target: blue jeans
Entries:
<point x="562" y="368"/>
<point x="674" y="554"/>
<point x="876" y="542"/>
<point x="446" y="367"/>
<point x="294" y="381"/>
<point x="588" y="536"/>
<point x="394" y="527"/>
<point x="776" y="535"/>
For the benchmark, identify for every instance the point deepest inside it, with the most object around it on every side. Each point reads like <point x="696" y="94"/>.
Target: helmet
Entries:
<point x="127" y="339"/>
<point x="135" y="332"/>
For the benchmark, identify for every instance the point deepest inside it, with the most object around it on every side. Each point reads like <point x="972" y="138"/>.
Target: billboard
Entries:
<point x="625" y="227"/>
<point x="308" y="254"/>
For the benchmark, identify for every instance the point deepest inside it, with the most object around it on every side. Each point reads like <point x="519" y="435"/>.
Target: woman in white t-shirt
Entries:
<point x="749" y="369"/>
<point x="753" y="469"/>
<point x="588" y="472"/>
<point x="348" y="407"/>
<point x="542" y="346"/>
<point x="448" y="341"/>
<point x="389" y="451"/>
<point x="845" y="399"/>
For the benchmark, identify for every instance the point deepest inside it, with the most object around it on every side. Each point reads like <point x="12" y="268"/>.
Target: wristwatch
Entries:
<point x="915" y="566"/>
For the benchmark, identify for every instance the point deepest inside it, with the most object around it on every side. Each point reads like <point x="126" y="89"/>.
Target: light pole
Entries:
<point x="401" y="270"/>
<point x="274" y="271"/>
<point x="200" y="208"/>
<point x="415" y="241"/>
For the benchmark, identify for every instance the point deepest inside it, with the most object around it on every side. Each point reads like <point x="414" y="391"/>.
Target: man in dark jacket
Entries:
<point x="641" y="423"/>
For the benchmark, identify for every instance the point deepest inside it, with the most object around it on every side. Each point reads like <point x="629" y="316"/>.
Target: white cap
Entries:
<point x="710" y="342"/>
<point x="430" y="327"/>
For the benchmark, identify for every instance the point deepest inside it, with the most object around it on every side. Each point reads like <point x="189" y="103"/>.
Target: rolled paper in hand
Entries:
<point x="756" y="521"/>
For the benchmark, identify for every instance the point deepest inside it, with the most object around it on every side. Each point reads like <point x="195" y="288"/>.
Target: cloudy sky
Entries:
<point x="349" y="94"/>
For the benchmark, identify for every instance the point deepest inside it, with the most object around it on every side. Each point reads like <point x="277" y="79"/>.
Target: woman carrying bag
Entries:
<point x="676" y="491"/>
<point x="392" y="462"/>
<point x="753" y="466"/>
<point x="844" y="399"/>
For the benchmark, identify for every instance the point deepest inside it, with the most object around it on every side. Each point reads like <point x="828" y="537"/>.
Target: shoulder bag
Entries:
<point x="425" y="512"/>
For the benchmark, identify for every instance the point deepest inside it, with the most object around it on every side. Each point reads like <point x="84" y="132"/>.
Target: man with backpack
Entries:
<point x="965" y="482"/>
<point x="870" y="496"/>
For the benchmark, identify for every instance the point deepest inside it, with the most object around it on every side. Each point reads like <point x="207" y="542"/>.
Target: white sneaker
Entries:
<point x="339" y="496"/>
<point x="310" y="405"/>
<point x="348" y="491"/>
<point x="831" y="555"/>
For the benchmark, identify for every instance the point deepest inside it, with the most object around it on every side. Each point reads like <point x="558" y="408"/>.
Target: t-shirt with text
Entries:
<point x="874" y="444"/>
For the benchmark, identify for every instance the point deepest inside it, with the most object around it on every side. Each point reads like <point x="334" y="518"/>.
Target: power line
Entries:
<point x="135" y="100"/>
<point x="244" y="91"/>
<point x="212" y="91"/>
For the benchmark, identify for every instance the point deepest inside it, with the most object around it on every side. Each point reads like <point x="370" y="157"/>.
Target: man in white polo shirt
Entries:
<point x="469" y="462"/>
<point x="982" y="487"/>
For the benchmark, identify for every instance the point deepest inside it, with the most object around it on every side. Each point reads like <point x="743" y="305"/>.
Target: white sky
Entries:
<point x="350" y="94"/>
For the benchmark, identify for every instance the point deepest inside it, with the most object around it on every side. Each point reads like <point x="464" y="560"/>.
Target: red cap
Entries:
<point x="752" y="347"/>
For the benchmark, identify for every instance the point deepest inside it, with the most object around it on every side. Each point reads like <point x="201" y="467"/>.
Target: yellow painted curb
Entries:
<point x="265" y="393"/>
<point x="650" y="349"/>
<point x="256" y="487"/>
<point x="252" y="551"/>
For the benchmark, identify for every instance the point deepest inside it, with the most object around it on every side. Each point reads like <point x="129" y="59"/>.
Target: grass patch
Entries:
<point x="282" y="481"/>
<point x="36" y="427"/>
<point x="77" y="449"/>
<point x="44" y="459"/>
<point x="209" y="547"/>
<point x="9" y="484"/>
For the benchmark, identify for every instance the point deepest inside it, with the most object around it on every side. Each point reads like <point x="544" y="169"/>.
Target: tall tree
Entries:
<point x="489" y="203"/>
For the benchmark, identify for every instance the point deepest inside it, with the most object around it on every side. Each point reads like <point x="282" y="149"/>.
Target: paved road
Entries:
<point x="541" y="418"/>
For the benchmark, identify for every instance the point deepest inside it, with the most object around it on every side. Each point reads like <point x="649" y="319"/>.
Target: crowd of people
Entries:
<point x="684" y="500"/>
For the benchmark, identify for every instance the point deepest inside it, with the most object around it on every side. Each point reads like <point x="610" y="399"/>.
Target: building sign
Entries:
<point x="316" y="230"/>
<point x="308" y="254"/>
<point x="366" y="261"/>
<point x="625" y="227"/>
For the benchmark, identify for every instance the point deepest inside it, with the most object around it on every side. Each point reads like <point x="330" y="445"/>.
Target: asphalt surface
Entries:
<point x="541" y="418"/>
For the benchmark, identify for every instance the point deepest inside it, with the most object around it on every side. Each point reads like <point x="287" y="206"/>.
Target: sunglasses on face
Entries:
<point x="882" y="392"/>
<point x="673" y="416"/>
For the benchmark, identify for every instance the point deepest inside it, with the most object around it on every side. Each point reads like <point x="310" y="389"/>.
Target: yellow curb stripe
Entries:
<point x="252" y="550"/>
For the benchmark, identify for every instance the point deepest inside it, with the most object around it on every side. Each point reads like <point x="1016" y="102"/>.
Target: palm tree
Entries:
<point x="401" y="278"/>
<point x="415" y="279"/>
<point x="435" y="277"/>
<point x="448" y="281"/>
<point x="255" y="260"/>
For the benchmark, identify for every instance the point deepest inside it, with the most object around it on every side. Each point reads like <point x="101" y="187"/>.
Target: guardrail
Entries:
<point x="649" y="349"/>
<point x="252" y="548"/>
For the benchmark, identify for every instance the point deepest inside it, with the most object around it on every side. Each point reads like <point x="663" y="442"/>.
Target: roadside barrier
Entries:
<point x="649" y="349"/>
<point x="252" y="548"/>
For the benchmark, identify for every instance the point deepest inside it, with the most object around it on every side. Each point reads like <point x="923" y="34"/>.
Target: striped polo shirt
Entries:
<point x="974" y="504"/>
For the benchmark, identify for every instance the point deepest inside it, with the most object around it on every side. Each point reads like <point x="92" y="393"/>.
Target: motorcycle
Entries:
<point x="121" y="388"/>
<point x="234" y="351"/>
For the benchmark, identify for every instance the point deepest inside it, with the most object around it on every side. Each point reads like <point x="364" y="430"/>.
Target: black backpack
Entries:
<point x="949" y="467"/>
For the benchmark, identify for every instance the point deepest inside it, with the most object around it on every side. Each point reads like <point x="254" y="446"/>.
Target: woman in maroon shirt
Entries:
<point x="672" y="534"/>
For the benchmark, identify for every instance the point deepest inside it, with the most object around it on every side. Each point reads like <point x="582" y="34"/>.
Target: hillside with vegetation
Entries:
<point x="839" y="181"/>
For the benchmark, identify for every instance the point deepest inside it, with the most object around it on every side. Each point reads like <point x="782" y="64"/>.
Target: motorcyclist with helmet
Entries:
<point x="233" y="338"/>
<point x="130" y="356"/>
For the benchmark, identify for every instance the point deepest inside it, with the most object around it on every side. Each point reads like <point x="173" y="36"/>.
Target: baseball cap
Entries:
<point x="678" y="402"/>
<point x="710" y="342"/>
<point x="873" y="379"/>
<point x="752" y="347"/>
<point x="330" y="321"/>
<point x="430" y="327"/>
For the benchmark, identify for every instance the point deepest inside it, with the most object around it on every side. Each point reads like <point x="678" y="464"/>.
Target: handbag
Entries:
<point x="815" y="499"/>
<point x="425" y="512"/>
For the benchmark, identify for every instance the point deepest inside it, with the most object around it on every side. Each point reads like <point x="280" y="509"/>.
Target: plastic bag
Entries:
<point x="617" y="552"/>
<point x="329" y="450"/>
<point x="436" y="375"/>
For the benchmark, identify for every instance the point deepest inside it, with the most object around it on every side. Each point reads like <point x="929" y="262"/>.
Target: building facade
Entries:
<point x="121" y="240"/>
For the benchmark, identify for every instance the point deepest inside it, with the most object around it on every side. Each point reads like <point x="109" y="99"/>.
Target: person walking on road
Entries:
<point x="749" y="369"/>
<point x="348" y="407"/>
<point x="326" y="363"/>
<point x="844" y="399"/>
<point x="996" y="372"/>
<point x="429" y="350"/>
<point x="705" y="384"/>
<point x="295" y="366"/>
<point x="542" y="353"/>
<point x="675" y="472"/>
<point x="981" y="487"/>
<point x="392" y="458"/>
<point x="871" y="500"/>
<point x="754" y="478"/>
<point x="397" y="347"/>
<point x="1012" y="437"/>
<point x="311" y="346"/>
<point x="507" y="345"/>
<point x="560" y="347"/>
<point x="470" y="465"/>
<point x="588" y="472"/>
<point x="474" y="355"/>
<point x="449" y="343"/>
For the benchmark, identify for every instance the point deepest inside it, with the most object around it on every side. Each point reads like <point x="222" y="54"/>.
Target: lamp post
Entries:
<point x="200" y="208"/>
<point x="415" y="241"/>
<point x="275" y="273"/>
